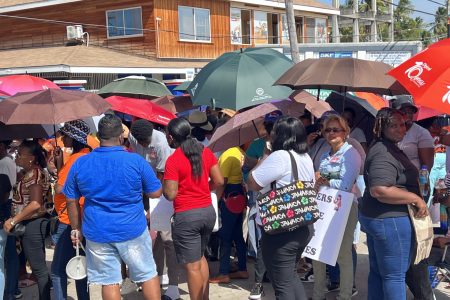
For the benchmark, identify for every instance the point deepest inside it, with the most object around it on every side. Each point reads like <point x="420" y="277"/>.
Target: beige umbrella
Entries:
<point x="342" y="75"/>
<point x="317" y="108"/>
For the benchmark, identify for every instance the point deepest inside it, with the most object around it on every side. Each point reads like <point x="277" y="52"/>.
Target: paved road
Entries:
<point x="239" y="289"/>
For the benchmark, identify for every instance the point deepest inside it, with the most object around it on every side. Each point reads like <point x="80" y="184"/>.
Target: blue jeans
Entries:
<point x="230" y="231"/>
<point x="64" y="251"/>
<point x="334" y="272"/>
<point x="390" y="242"/>
<point x="12" y="268"/>
<point x="3" y="238"/>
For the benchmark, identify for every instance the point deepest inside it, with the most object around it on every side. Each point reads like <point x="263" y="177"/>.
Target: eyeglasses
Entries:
<point x="334" y="130"/>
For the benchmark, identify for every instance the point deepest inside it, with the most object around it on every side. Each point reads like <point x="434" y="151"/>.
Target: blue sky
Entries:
<point x="423" y="5"/>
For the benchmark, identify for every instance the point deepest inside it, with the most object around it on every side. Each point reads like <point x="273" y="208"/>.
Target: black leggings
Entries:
<point x="280" y="253"/>
<point x="33" y="242"/>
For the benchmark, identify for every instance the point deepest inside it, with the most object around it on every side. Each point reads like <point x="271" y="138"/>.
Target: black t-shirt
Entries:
<point x="387" y="165"/>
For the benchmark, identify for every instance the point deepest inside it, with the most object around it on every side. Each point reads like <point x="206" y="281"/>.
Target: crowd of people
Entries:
<point x="101" y="194"/>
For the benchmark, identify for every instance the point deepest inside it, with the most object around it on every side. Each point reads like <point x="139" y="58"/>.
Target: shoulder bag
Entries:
<point x="289" y="207"/>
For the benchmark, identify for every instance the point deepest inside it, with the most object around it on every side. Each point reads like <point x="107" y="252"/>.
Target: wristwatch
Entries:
<point x="12" y="223"/>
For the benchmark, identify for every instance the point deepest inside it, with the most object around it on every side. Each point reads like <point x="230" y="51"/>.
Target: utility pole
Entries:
<point x="295" y="54"/>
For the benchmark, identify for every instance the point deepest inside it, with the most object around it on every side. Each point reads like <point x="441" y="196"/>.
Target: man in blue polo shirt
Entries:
<point x="112" y="182"/>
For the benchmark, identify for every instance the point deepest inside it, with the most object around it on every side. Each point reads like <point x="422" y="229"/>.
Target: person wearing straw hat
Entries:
<point x="200" y="126"/>
<point x="75" y="136"/>
<point x="112" y="181"/>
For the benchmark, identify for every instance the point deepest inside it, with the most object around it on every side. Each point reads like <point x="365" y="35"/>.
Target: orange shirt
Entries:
<point x="60" y="199"/>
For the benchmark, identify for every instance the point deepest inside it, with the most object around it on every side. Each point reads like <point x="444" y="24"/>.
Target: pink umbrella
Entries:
<point x="13" y="84"/>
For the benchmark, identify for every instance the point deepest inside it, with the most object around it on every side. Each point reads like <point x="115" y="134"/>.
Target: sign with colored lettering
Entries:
<point x="334" y="207"/>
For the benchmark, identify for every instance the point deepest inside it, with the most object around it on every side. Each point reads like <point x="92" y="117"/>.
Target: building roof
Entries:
<point x="18" y="5"/>
<point x="82" y="57"/>
<point x="300" y="5"/>
<point x="313" y="3"/>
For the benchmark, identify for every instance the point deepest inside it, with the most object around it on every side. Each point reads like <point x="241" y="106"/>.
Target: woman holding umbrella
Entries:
<point x="28" y="210"/>
<point x="75" y="136"/>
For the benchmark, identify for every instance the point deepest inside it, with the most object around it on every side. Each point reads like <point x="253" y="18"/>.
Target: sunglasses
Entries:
<point x="334" y="130"/>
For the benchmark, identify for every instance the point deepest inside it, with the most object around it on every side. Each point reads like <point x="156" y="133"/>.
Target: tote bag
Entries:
<point x="289" y="207"/>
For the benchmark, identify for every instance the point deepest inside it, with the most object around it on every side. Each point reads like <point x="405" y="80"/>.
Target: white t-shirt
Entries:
<point x="277" y="167"/>
<point x="358" y="135"/>
<point x="8" y="167"/>
<point x="416" y="138"/>
<point x="156" y="153"/>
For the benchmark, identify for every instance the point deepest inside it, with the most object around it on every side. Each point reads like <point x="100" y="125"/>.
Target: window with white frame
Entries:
<point x="240" y="26"/>
<point x="194" y="24"/>
<point x="124" y="22"/>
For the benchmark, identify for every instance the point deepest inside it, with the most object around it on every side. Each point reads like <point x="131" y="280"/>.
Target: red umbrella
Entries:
<point x="13" y="84"/>
<point x="141" y="109"/>
<point x="426" y="76"/>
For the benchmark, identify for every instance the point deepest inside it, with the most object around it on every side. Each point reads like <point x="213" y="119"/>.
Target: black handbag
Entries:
<point x="289" y="207"/>
<point x="18" y="230"/>
<point x="54" y="222"/>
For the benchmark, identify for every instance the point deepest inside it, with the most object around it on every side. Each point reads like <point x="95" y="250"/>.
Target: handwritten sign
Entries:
<point x="334" y="207"/>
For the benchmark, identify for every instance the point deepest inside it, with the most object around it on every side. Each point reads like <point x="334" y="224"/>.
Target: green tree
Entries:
<point x="440" y="22"/>
<point x="407" y="28"/>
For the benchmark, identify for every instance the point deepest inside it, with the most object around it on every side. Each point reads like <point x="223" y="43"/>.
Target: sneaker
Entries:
<point x="308" y="277"/>
<point x="257" y="291"/>
<point x="333" y="287"/>
<point x="354" y="292"/>
<point x="18" y="294"/>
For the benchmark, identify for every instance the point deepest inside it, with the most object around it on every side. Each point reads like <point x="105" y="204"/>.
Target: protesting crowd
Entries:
<point x="101" y="195"/>
<point x="160" y="191"/>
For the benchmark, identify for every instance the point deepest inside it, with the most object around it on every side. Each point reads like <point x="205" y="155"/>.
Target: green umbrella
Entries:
<point x="135" y="87"/>
<point x="241" y="79"/>
<point x="183" y="86"/>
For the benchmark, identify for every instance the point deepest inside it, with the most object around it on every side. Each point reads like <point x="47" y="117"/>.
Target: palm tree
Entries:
<point x="439" y="25"/>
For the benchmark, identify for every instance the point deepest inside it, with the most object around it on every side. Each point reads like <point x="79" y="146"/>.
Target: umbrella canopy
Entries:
<point x="243" y="127"/>
<point x="341" y="75"/>
<point x="141" y="109"/>
<point x="13" y="84"/>
<point x="183" y="86"/>
<point x="241" y="79"/>
<point x="51" y="106"/>
<point x="135" y="87"/>
<point x="317" y="108"/>
<point x="375" y="101"/>
<point x="426" y="76"/>
<point x="25" y="131"/>
<point x="174" y="104"/>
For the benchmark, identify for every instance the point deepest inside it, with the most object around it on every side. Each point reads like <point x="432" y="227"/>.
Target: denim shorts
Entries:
<point x="104" y="260"/>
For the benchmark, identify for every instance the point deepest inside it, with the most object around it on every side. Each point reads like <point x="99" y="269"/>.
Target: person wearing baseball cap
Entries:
<point x="75" y="136"/>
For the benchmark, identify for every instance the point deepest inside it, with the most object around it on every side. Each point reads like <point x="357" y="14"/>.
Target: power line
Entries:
<point x="101" y="26"/>
<point x="410" y="9"/>
<point x="438" y="3"/>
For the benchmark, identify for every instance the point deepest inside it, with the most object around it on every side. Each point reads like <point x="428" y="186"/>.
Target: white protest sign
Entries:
<point x="334" y="207"/>
<point x="216" y="209"/>
<point x="161" y="210"/>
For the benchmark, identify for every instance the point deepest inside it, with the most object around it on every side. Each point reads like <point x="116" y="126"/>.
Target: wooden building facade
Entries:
<point x="161" y="29"/>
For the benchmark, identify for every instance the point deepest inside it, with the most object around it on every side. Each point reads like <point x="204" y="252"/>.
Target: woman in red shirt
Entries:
<point x="186" y="182"/>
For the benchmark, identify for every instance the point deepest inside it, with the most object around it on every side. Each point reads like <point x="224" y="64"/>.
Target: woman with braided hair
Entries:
<point x="186" y="182"/>
<point x="392" y="183"/>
